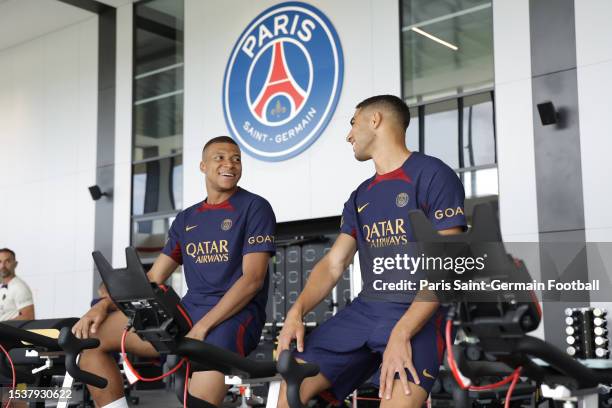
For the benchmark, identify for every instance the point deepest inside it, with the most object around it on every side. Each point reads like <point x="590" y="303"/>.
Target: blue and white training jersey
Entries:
<point x="376" y="215"/>
<point x="210" y="241"/>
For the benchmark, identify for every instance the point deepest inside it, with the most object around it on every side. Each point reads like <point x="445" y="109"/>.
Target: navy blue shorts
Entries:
<point x="348" y="347"/>
<point x="240" y="333"/>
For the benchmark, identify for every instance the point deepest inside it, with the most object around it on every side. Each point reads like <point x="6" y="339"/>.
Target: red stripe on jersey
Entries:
<point x="225" y="205"/>
<point x="240" y="336"/>
<point x="440" y="343"/>
<point x="398" y="174"/>
<point x="176" y="254"/>
<point x="185" y="315"/>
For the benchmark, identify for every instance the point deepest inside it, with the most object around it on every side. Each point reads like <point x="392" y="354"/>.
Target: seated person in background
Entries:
<point x="224" y="244"/>
<point x="16" y="301"/>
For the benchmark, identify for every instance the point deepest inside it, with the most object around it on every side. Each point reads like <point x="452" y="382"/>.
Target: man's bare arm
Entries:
<point x="162" y="269"/>
<point x="26" y="313"/>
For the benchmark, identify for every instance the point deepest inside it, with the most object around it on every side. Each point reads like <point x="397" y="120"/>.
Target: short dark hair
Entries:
<point x="10" y="251"/>
<point x="219" y="139"/>
<point x="391" y="102"/>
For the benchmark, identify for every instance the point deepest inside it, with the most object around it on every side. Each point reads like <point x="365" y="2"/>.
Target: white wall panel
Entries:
<point x="511" y="49"/>
<point x="599" y="235"/>
<point x="27" y="111"/>
<point x="593" y="31"/>
<point x="48" y="97"/>
<point x="45" y="294"/>
<point x="594" y="90"/>
<point x="514" y="119"/>
<point x="516" y="161"/>
<point x="81" y="298"/>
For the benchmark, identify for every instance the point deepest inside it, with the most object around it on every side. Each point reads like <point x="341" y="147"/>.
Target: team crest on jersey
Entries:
<point x="226" y="224"/>
<point x="282" y="81"/>
<point x="401" y="200"/>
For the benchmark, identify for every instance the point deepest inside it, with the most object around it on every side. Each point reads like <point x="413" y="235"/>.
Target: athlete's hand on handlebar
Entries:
<point x="89" y="323"/>
<point x="293" y="328"/>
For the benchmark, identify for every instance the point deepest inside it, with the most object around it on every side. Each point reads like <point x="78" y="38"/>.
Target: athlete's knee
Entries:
<point x="417" y="397"/>
<point x="208" y="386"/>
<point x="194" y="402"/>
<point x="109" y="342"/>
<point x="102" y="334"/>
<point x="308" y="390"/>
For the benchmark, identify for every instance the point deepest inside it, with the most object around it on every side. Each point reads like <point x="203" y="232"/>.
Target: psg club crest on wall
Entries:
<point x="282" y="81"/>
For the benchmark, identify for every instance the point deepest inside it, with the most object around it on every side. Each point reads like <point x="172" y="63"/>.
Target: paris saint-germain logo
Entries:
<point x="283" y="81"/>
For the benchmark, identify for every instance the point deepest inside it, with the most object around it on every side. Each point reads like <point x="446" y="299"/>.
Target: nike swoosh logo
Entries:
<point x="426" y="374"/>
<point x="360" y="209"/>
<point x="189" y="228"/>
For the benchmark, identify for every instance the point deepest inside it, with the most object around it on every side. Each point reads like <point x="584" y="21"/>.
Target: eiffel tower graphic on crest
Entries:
<point x="279" y="82"/>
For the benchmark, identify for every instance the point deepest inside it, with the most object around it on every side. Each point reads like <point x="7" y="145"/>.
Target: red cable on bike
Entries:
<point x="170" y="372"/>
<point x="136" y="373"/>
<point x="497" y="384"/>
<point x="127" y="362"/>
<point x="450" y="358"/>
<point x="516" y="376"/>
<point x="186" y="386"/>
<point x="14" y="385"/>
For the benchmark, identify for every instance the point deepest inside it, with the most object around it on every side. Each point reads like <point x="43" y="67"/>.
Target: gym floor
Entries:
<point x="163" y="399"/>
<point x="156" y="399"/>
<point x="146" y="399"/>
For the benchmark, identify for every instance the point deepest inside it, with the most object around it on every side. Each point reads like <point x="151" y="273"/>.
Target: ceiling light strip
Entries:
<point x="436" y="39"/>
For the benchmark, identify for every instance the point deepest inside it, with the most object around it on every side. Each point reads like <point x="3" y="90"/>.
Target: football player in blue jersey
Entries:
<point x="224" y="244"/>
<point x="391" y="327"/>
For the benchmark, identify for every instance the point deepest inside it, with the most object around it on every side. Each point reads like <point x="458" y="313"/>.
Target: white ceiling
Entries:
<point x="23" y="20"/>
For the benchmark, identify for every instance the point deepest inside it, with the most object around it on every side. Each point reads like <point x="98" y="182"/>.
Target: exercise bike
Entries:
<point x="34" y="356"/>
<point x="155" y="314"/>
<point x="496" y="322"/>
